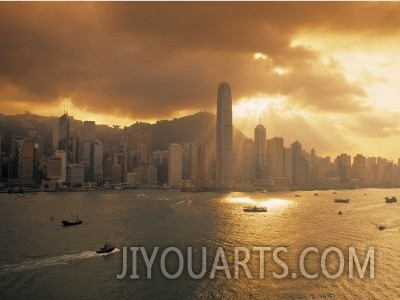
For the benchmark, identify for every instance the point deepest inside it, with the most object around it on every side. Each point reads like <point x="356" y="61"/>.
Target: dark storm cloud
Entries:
<point x="152" y="59"/>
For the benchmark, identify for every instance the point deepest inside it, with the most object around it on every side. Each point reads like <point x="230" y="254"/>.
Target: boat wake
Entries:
<point x="186" y="201"/>
<point x="65" y="259"/>
<point x="109" y="253"/>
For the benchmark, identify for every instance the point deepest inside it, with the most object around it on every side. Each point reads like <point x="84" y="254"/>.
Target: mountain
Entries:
<point x="199" y="127"/>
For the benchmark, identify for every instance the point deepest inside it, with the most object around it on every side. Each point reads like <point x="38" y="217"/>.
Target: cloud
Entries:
<point x="150" y="60"/>
<point x="373" y="124"/>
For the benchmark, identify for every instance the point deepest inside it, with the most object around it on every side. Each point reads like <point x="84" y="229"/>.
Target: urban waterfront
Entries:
<point x="42" y="259"/>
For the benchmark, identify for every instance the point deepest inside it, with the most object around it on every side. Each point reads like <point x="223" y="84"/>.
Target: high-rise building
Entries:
<point x="287" y="165"/>
<point x="343" y="166"/>
<point x="63" y="133"/>
<point x="175" y="165"/>
<point x="186" y="154"/>
<point x="77" y="175"/>
<point x="224" y="136"/>
<point x="260" y="148"/>
<point x="160" y="161"/>
<point x="96" y="163"/>
<point x="275" y="157"/>
<point x="88" y="136"/>
<point x="198" y="164"/>
<point x="57" y="167"/>
<point x="248" y="161"/>
<point x="359" y="167"/>
<point x="27" y="159"/>
<point x="299" y="166"/>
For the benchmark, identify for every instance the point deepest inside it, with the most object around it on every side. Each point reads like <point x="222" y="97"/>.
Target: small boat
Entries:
<point x="340" y="213"/>
<point x="390" y="200"/>
<point x="254" y="209"/>
<point x="107" y="248"/>
<point x="52" y="218"/>
<point x="70" y="223"/>
<point x="342" y="200"/>
<point x="316" y="194"/>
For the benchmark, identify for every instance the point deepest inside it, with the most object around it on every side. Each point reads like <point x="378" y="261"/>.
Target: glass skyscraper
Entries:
<point x="224" y="136"/>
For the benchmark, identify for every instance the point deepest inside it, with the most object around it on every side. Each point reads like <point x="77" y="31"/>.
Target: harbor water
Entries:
<point x="41" y="259"/>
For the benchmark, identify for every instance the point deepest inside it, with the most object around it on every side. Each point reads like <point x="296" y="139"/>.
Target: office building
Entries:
<point x="175" y="165"/>
<point x="224" y="136"/>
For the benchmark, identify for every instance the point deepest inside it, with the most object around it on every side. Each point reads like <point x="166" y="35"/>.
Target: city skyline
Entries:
<point x="322" y="73"/>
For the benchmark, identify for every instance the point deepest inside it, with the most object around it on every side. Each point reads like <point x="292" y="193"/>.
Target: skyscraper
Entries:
<point x="299" y="166"/>
<point x="275" y="157"/>
<point x="260" y="147"/>
<point x="63" y="133"/>
<point x="224" y="136"/>
<point x="27" y="167"/>
<point x="88" y="136"/>
<point x="175" y="165"/>
<point x="248" y="161"/>
<point x="96" y="161"/>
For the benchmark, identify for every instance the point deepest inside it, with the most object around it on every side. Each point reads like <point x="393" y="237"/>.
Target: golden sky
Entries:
<point x="324" y="73"/>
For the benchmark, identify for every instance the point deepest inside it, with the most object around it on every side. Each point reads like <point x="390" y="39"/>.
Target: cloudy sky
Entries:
<point x="324" y="73"/>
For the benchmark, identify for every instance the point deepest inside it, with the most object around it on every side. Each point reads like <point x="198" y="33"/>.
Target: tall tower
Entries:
<point x="260" y="147"/>
<point x="224" y="136"/>
<point x="63" y="132"/>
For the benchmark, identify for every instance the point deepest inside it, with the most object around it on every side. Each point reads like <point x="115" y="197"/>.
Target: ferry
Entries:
<point x="107" y="248"/>
<point x="254" y="209"/>
<point x="390" y="200"/>
<point x="70" y="223"/>
<point x="342" y="200"/>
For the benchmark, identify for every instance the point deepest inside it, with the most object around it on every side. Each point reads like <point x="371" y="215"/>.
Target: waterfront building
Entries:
<point x="175" y="165"/>
<point x="27" y="162"/>
<point x="224" y="136"/>
<point x="275" y="157"/>
<point x="260" y="148"/>
<point x="248" y="161"/>
<point x="77" y="175"/>
<point x="57" y="167"/>
<point x="343" y="167"/>
<point x="299" y="166"/>
<point x="96" y="162"/>
<point x="359" y="168"/>
<point x="88" y="136"/>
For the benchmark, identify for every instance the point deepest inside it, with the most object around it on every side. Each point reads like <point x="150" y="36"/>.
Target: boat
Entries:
<point x="70" y="223"/>
<point x="342" y="200"/>
<point x="340" y="213"/>
<point x="107" y="248"/>
<point x="254" y="208"/>
<point x="390" y="200"/>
